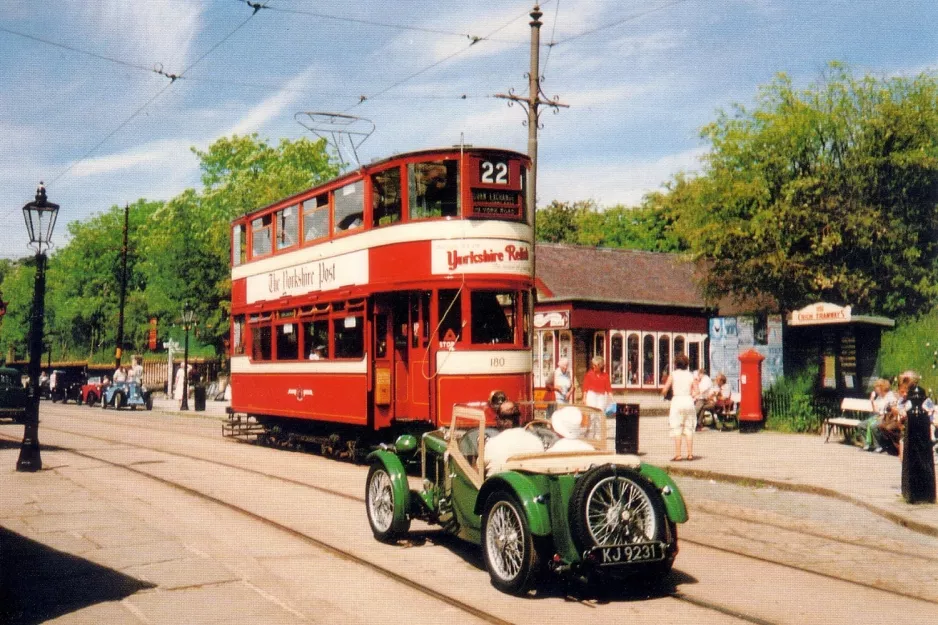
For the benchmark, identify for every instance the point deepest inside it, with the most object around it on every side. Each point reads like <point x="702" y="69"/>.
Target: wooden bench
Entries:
<point x="844" y="425"/>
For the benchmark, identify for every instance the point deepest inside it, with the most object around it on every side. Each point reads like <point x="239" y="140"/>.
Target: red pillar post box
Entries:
<point x="750" y="387"/>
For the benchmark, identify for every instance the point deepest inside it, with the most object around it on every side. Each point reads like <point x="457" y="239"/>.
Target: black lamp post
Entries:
<point x="187" y="316"/>
<point x="40" y="220"/>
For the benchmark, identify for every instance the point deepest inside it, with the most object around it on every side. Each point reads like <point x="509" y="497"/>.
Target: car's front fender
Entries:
<point x="395" y="469"/>
<point x="533" y="498"/>
<point x="673" y="500"/>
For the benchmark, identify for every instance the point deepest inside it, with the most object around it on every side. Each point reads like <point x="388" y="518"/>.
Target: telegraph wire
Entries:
<point x="63" y="46"/>
<point x="550" y="44"/>
<point x="152" y="99"/>
<point x="474" y="40"/>
<point x="630" y="18"/>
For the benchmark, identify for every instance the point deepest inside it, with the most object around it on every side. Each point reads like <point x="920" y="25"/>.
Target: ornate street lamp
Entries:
<point x="40" y="217"/>
<point x="187" y="318"/>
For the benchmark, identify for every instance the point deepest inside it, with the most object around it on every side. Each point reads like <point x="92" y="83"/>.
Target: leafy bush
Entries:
<point x="791" y="404"/>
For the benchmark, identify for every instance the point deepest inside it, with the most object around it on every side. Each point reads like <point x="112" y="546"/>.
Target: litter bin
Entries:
<point x="626" y="428"/>
<point x="198" y="395"/>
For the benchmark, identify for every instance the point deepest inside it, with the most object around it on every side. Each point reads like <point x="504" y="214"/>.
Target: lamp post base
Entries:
<point x="29" y="461"/>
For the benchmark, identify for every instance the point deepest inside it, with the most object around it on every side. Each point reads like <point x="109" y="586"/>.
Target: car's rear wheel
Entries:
<point x="510" y="551"/>
<point x="385" y="515"/>
<point x="119" y="400"/>
<point x="612" y="505"/>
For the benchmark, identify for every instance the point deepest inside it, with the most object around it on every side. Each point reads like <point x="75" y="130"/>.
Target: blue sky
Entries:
<point x="82" y="109"/>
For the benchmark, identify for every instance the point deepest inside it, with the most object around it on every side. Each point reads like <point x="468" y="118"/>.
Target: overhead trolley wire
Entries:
<point x="152" y="99"/>
<point x="475" y="40"/>
<point x="629" y="18"/>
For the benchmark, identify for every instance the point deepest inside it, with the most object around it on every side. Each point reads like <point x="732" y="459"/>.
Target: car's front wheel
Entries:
<point x="91" y="399"/>
<point x="511" y="555"/>
<point x="385" y="514"/>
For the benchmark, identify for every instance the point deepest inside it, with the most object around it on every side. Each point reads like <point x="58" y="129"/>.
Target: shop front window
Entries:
<point x="617" y="360"/>
<point x="664" y="361"/>
<point x="648" y="360"/>
<point x="632" y="354"/>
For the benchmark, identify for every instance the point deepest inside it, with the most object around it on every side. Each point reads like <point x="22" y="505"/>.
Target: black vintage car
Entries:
<point x="14" y="397"/>
<point x="67" y="386"/>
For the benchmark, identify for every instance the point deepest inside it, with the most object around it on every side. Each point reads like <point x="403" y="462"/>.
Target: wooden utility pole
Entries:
<point x="532" y="104"/>
<point x="120" y="318"/>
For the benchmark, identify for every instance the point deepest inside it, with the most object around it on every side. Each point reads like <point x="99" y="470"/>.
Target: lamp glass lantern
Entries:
<point x="40" y="216"/>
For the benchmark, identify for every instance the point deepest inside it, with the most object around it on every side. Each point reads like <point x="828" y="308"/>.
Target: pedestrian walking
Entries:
<point x="682" y="418"/>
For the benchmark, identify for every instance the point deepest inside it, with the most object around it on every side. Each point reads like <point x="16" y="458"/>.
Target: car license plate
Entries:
<point x="628" y="554"/>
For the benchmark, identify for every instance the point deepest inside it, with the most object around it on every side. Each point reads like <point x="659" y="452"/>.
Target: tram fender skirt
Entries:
<point x="535" y="507"/>
<point x="395" y="469"/>
<point x="673" y="500"/>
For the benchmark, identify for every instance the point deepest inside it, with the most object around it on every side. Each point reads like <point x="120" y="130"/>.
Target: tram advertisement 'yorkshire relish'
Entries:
<point x="376" y="301"/>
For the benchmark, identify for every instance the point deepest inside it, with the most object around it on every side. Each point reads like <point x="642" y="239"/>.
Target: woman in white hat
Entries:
<point x="570" y="424"/>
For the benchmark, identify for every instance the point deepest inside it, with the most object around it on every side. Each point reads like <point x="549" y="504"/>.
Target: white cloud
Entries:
<point x="273" y="106"/>
<point x="615" y="183"/>
<point x="172" y="153"/>
<point x="140" y="32"/>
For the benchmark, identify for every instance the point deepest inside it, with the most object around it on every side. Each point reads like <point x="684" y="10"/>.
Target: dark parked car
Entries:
<point x="14" y="397"/>
<point x="67" y="386"/>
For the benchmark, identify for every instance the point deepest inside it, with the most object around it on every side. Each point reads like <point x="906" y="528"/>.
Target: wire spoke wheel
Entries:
<point x="619" y="512"/>
<point x="510" y="554"/>
<point x="385" y="514"/>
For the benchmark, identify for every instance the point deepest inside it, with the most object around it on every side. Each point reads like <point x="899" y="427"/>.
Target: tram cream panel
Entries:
<point x="243" y="364"/>
<point x="403" y="233"/>
<point x="490" y="362"/>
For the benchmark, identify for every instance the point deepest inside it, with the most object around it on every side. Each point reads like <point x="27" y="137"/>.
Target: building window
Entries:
<point x="544" y="356"/>
<point x="648" y="360"/>
<point x="693" y="354"/>
<point x="288" y="223"/>
<point x="348" y="201"/>
<point x="316" y="218"/>
<point x="679" y="347"/>
<point x="433" y="189"/>
<point x="386" y="196"/>
<point x="617" y="359"/>
<point x="664" y="358"/>
<point x="632" y="353"/>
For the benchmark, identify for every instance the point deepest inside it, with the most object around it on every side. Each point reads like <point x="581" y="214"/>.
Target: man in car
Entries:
<point x="469" y="443"/>
<point x="511" y="441"/>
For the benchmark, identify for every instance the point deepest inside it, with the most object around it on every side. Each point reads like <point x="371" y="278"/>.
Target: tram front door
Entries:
<point x="407" y="316"/>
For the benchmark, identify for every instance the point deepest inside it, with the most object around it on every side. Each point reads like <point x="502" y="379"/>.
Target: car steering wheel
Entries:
<point x="544" y="423"/>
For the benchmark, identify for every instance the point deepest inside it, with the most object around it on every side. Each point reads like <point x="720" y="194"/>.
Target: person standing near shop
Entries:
<point x="597" y="389"/>
<point x="682" y="418"/>
<point x="561" y="382"/>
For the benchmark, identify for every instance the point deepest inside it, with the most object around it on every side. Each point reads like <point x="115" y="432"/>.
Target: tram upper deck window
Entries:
<point x="433" y="189"/>
<point x="386" y="196"/>
<point x="260" y="236"/>
<point x="239" y="245"/>
<point x="349" y="202"/>
<point x="493" y="316"/>
<point x="316" y="217"/>
<point x="288" y="224"/>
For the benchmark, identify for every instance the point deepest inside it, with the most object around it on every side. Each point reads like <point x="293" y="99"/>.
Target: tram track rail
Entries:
<point x="724" y="609"/>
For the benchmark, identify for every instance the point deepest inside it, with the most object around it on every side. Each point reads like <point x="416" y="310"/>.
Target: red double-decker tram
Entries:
<point x="374" y="302"/>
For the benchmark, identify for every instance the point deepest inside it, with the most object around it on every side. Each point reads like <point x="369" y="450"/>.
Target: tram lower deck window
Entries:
<point x="493" y="317"/>
<point x="349" y="337"/>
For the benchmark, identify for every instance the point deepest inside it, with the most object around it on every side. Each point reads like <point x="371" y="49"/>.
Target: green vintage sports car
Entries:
<point x="590" y="513"/>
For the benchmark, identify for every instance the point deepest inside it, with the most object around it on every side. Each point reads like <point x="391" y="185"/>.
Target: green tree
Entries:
<point x="187" y="248"/>
<point x="827" y="193"/>
<point x="17" y="289"/>
<point x="648" y="227"/>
